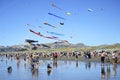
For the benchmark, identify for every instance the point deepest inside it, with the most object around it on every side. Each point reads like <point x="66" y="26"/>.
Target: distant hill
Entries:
<point x="56" y="45"/>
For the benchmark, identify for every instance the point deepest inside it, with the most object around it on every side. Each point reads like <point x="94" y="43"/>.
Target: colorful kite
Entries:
<point x="56" y="16"/>
<point x="39" y="34"/>
<point x="54" y="36"/>
<point x="50" y="25"/>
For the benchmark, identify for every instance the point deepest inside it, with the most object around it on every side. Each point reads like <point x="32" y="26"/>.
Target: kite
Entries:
<point x="30" y="25"/>
<point x="58" y="42"/>
<point x="53" y="5"/>
<point x="39" y="26"/>
<point x="39" y="34"/>
<point x="44" y="45"/>
<point x="56" y="16"/>
<point x="50" y="25"/>
<point x="90" y="10"/>
<point x="71" y="36"/>
<point x="68" y="13"/>
<point x="54" y="36"/>
<point x="30" y="41"/>
<point x="61" y="23"/>
<point x="55" y="33"/>
<point x="33" y="26"/>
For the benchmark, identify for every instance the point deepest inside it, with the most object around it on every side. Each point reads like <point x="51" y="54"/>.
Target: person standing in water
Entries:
<point x="103" y="57"/>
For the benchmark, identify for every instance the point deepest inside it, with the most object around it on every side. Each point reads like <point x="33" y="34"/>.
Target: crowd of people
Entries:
<point x="33" y="58"/>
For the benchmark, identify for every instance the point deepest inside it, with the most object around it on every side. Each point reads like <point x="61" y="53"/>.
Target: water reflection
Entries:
<point x="95" y="64"/>
<point x="35" y="72"/>
<point x="18" y="64"/>
<point x="49" y="72"/>
<point x="25" y="65"/>
<point x="61" y="70"/>
<point x="103" y="73"/>
<point x="108" y="72"/>
<point x="115" y="70"/>
<point x="76" y="63"/>
<point x="88" y="65"/>
<point x="55" y="63"/>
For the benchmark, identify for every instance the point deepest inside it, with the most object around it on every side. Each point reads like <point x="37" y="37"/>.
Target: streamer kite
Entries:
<point x="56" y="16"/>
<point x="55" y="33"/>
<point x="50" y="25"/>
<point x="39" y="34"/>
<point x="53" y="5"/>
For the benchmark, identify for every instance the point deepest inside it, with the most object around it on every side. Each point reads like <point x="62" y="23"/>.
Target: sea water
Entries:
<point x="61" y="70"/>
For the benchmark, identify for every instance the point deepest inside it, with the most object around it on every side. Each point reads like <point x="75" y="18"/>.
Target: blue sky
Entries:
<point x="100" y="26"/>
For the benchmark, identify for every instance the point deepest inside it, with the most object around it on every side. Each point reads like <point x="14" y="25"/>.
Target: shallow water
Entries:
<point x="62" y="70"/>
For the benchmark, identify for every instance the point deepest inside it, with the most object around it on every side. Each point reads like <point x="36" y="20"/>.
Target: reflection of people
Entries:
<point x="35" y="72"/>
<point x="88" y="65"/>
<point x="103" y="73"/>
<point x="18" y="64"/>
<point x="115" y="70"/>
<point x="95" y="65"/>
<point x="55" y="63"/>
<point x="108" y="72"/>
<point x="49" y="72"/>
<point x="76" y="63"/>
